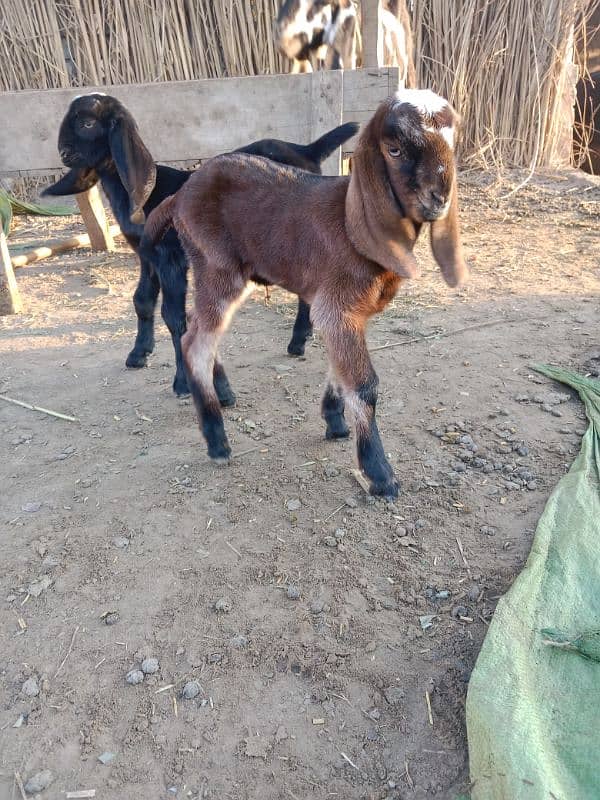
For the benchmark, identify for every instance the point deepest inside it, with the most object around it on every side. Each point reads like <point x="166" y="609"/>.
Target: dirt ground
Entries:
<point x="341" y="617"/>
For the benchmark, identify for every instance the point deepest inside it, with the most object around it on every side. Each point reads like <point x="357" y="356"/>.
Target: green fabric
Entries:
<point x="533" y="710"/>
<point x="9" y="205"/>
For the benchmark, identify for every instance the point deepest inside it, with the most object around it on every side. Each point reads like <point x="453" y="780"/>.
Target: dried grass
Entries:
<point x="503" y="63"/>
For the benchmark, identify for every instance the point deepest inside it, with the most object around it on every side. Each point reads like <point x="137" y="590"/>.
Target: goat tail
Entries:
<point x="320" y="149"/>
<point x="157" y="223"/>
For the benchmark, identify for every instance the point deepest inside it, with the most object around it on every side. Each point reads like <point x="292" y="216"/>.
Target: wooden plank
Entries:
<point x="363" y="91"/>
<point x="55" y="246"/>
<point x="326" y="106"/>
<point x="370" y="32"/>
<point x="94" y="217"/>
<point x="10" y="297"/>
<point x="191" y="120"/>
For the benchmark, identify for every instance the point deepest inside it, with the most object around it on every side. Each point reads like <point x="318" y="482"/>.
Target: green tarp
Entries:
<point x="533" y="711"/>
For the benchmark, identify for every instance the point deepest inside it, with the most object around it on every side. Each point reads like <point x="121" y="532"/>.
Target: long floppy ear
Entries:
<point x="74" y="181"/>
<point x="375" y="224"/>
<point x="446" y="244"/>
<point x="134" y="164"/>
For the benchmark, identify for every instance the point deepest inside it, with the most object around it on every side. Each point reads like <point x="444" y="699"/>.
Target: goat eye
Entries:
<point x="394" y="151"/>
<point x="89" y="123"/>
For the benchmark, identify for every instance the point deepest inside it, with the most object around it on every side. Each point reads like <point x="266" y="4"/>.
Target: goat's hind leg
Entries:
<point x="302" y="330"/>
<point x="173" y="282"/>
<point x="144" y="302"/>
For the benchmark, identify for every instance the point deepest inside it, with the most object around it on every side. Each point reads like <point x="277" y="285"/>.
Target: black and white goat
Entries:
<point x="99" y="141"/>
<point x="325" y="34"/>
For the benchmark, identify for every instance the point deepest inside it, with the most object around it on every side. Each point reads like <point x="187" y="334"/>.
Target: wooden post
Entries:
<point x="10" y="297"/>
<point x="94" y="217"/>
<point x="370" y="32"/>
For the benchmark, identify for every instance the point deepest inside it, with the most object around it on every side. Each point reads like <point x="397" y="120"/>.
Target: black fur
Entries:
<point x="99" y="141"/>
<point x="371" y="455"/>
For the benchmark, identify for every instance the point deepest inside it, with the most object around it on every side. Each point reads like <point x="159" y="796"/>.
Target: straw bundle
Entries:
<point x="506" y="66"/>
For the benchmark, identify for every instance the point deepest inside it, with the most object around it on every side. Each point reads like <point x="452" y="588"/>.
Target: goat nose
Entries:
<point x="63" y="153"/>
<point x="437" y="198"/>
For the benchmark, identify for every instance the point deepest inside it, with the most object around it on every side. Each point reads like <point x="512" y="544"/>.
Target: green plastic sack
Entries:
<point x="533" y="710"/>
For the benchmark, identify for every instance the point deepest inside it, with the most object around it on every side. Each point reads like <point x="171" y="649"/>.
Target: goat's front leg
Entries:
<point x="173" y="282"/>
<point x="144" y="302"/>
<point x="302" y="330"/>
<point x="351" y="363"/>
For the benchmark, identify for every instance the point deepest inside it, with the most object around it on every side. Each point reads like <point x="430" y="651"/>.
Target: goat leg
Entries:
<point x="332" y="411"/>
<point x="144" y="302"/>
<point x="302" y="330"/>
<point x="350" y="362"/>
<point x="173" y="282"/>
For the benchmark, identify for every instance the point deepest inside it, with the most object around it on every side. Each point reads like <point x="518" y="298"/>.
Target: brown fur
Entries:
<point x="342" y="244"/>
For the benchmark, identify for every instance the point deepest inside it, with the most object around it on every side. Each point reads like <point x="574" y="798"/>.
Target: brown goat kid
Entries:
<point x="342" y="244"/>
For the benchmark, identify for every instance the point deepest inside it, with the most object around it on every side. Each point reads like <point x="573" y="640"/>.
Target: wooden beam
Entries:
<point x="56" y="246"/>
<point x="10" y="297"/>
<point x="94" y="217"/>
<point x="370" y="32"/>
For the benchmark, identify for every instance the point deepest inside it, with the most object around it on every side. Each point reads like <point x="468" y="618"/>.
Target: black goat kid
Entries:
<point x="99" y="141"/>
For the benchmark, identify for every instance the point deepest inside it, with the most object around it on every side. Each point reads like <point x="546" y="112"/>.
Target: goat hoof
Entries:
<point x="137" y="360"/>
<point x="227" y="399"/>
<point x="220" y="456"/>
<point x="388" y="490"/>
<point x="337" y="431"/>
<point x="295" y="348"/>
<point x="180" y="387"/>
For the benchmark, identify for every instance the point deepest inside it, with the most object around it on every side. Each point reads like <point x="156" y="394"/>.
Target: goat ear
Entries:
<point x="374" y="223"/>
<point x="74" y="181"/>
<point x="134" y="164"/>
<point x="447" y="247"/>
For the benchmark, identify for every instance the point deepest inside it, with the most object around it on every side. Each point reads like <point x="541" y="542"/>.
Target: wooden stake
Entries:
<point x="94" y="217"/>
<point x="10" y="297"/>
<point x="370" y="32"/>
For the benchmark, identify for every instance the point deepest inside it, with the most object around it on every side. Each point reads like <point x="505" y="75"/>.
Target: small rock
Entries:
<point x="120" y="541"/>
<point x="393" y="694"/>
<point x="293" y="593"/>
<point x="444" y="594"/>
<point x="458" y="466"/>
<point x="532" y="486"/>
<point x="223" y="605"/>
<point x="420" y="523"/>
<point x="330" y="471"/>
<point x="511" y="486"/>
<point x="479" y="462"/>
<point x="350" y="502"/>
<point x="214" y="658"/>
<point x="238" y="641"/>
<point x="31" y="508"/>
<point x="111" y="618"/>
<point x="21" y="720"/>
<point x="39" y="781"/>
<point x="30" y="688"/>
<point x="488" y="468"/>
<point x="556" y="413"/>
<point x="150" y="666"/>
<point x="375" y="713"/>
<point x="134" y="676"/>
<point x="340" y="533"/>
<point x="37" y="587"/>
<point x="426" y="621"/>
<point x="388" y="603"/>
<point x="401" y="532"/>
<point x="460" y="611"/>
<point x="330" y="541"/>
<point x="106" y="757"/>
<point x="49" y="563"/>
<point x="190" y="690"/>
<point x="293" y="505"/>
<point x="371" y="647"/>
<point x="522" y="450"/>
<point x="317" y="607"/>
<point x="487" y="530"/>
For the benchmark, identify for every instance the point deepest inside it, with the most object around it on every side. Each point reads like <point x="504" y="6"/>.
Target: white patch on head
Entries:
<point x="447" y="133"/>
<point x="424" y="100"/>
